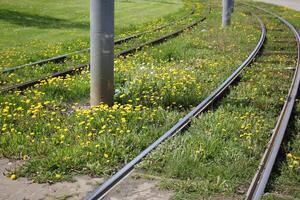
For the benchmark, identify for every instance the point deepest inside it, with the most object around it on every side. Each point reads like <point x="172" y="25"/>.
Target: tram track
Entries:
<point x="61" y="58"/>
<point x="80" y="67"/>
<point x="261" y="178"/>
<point x="262" y="175"/>
<point x="181" y="125"/>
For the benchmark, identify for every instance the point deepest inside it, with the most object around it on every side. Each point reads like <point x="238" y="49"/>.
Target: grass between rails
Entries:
<point x="285" y="179"/>
<point x="28" y="35"/>
<point x="34" y="72"/>
<point x="219" y="154"/>
<point x="49" y="128"/>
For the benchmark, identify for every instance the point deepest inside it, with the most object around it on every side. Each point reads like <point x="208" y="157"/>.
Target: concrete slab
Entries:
<point x="24" y="189"/>
<point x="138" y="189"/>
<point x="293" y="4"/>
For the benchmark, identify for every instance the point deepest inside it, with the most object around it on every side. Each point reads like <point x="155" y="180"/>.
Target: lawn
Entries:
<point x="51" y="128"/>
<point x="29" y="26"/>
<point x="154" y="88"/>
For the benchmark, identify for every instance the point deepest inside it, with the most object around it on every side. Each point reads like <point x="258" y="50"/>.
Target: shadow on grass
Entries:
<point x="32" y="20"/>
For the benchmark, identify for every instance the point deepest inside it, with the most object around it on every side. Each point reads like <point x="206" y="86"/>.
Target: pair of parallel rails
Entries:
<point x="77" y="69"/>
<point x="260" y="180"/>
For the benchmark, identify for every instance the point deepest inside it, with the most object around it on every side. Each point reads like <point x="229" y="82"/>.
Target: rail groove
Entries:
<point x="100" y="192"/>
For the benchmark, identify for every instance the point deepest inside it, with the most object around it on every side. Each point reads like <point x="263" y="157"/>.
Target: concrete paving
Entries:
<point x="23" y="189"/>
<point x="293" y="4"/>
<point x="138" y="189"/>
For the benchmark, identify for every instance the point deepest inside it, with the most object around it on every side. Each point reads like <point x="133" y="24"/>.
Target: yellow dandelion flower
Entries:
<point x="13" y="177"/>
<point x="58" y="176"/>
<point x="295" y="162"/>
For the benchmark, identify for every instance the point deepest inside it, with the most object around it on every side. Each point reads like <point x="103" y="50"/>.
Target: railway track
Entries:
<point x="182" y="124"/>
<point x="74" y="70"/>
<point x="61" y="58"/>
<point x="261" y="178"/>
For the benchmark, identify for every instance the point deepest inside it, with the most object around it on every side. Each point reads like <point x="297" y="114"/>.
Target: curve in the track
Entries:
<point x="100" y="192"/>
<point x="260" y="180"/>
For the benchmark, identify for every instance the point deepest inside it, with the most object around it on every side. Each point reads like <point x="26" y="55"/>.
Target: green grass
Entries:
<point x="220" y="152"/>
<point x="30" y="27"/>
<point x="154" y="88"/>
<point x="50" y="127"/>
<point x="34" y="72"/>
<point x="58" y="21"/>
<point x="285" y="179"/>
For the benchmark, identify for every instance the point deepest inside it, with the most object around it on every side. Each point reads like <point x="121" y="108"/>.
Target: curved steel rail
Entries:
<point x="100" y="192"/>
<point x="60" y="58"/>
<point x="262" y="175"/>
<point x="79" y="68"/>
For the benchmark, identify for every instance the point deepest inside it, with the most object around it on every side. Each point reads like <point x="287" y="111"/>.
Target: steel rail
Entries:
<point x="262" y="175"/>
<point x="100" y="192"/>
<point x="81" y="67"/>
<point x="62" y="57"/>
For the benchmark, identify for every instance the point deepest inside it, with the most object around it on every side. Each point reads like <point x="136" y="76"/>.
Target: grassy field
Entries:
<point x="58" y="21"/>
<point x="52" y="130"/>
<point x="285" y="179"/>
<point x="220" y="152"/>
<point x="154" y="88"/>
<point x="34" y="72"/>
<point x="30" y="27"/>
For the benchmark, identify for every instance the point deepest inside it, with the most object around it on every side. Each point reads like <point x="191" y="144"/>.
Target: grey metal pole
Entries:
<point x="226" y="13"/>
<point x="102" y="51"/>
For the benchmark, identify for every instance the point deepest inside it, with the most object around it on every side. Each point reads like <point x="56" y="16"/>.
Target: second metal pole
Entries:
<point x="226" y="13"/>
<point x="102" y="51"/>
